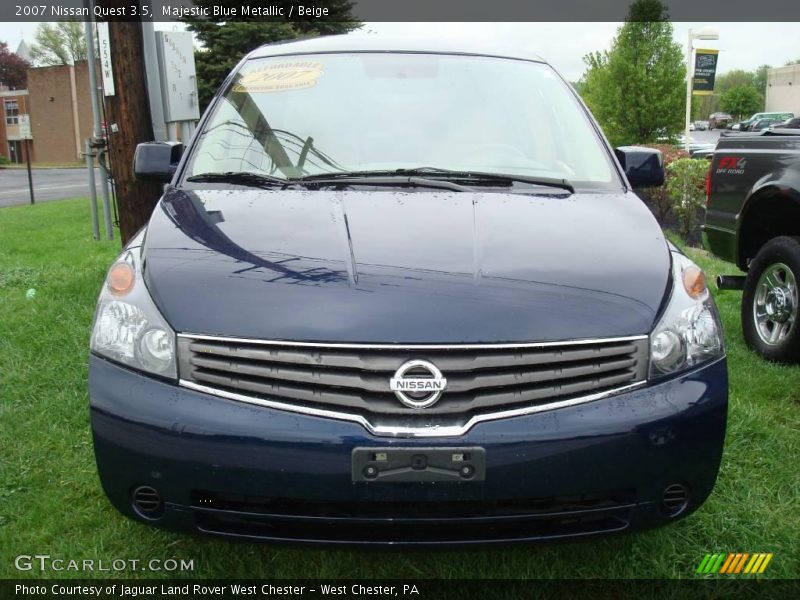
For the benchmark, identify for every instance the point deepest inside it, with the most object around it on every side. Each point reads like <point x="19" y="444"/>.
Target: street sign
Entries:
<point x="106" y="69"/>
<point x="25" y="127"/>
<point x="705" y="70"/>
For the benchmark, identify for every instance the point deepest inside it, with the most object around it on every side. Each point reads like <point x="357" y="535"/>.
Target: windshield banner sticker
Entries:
<point x="280" y="77"/>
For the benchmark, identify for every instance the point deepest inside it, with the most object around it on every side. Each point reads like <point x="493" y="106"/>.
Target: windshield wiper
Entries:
<point x="434" y="174"/>
<point x="268" y="181"/>
<point x="422" y="177"/>
<point x="247" y="178"/>
<point x="501" y="178"/>
<point x="381" y="178"/>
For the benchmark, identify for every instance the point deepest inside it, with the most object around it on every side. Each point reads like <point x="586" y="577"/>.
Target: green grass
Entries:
<point x="51" y="501"/>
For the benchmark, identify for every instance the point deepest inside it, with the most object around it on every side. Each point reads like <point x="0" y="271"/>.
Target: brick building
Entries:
<point x="14" y="104"/>
<point x="60" y="109"/>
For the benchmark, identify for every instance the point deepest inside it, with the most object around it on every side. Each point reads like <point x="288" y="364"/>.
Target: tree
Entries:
<point x="60" y="43"/>
<point x="734" y="78"/>
<point x="13" y="69"/>
<point x="705" y="105"/>
<point x="637" y="89"/>
<point x="738" y="80"/>
<point x="225" y="43"/>
<point x="760" y="79"/>
<point x="741" y="101"/>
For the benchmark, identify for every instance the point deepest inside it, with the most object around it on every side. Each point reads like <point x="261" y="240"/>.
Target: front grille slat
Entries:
<point x="378" y="383"/>
<point x="386" y="403"/>
<point x="388" y="360"/>
<point x="355" y="379"/>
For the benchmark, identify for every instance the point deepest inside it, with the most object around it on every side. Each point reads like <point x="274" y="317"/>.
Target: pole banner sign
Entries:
<point x="705" y="70"/>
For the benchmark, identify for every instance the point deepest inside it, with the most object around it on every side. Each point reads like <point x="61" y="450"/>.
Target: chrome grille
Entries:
<point x="354" y="379"/>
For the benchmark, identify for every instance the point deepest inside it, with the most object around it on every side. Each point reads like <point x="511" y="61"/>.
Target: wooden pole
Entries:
<point x="129" y="124"/>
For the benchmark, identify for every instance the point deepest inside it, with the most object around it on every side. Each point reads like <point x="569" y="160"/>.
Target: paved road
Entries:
<point x="48" y="184"/>
<point x="706" y="136"/>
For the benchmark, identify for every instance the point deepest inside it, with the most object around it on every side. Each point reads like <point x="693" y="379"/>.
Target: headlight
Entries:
<point x="127" y="325"/>
<point x="689" y="332"/>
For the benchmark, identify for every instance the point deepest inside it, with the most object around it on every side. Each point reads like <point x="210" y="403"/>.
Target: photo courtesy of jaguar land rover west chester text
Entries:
<point x="403" y="294"/>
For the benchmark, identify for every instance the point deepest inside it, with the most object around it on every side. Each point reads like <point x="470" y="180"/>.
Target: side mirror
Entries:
<point x="644" y="167"/>
<point x="157" y="161"/>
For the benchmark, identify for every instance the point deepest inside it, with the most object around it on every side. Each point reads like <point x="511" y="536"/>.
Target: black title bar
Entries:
<point x="460" y="589"/>
<point x="395" y="10"/>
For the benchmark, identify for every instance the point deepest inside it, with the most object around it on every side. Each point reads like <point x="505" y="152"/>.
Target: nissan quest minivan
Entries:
<point x="403" y="294"/>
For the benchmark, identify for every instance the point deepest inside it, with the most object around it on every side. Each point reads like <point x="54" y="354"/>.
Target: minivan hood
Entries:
<point x="407" y="267"/>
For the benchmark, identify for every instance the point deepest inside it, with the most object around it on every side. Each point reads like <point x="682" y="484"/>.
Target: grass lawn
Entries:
<point x="51" y="501"/>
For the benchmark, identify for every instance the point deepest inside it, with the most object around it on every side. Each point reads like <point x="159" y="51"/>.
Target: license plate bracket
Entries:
<point x="419" y="464"/>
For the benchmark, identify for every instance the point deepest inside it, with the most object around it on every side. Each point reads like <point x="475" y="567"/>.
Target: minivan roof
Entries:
<point x="375" y="43"/>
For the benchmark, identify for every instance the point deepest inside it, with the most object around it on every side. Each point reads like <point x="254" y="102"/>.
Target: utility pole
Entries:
<point x="96" y="145"/>
<point x="128" y="124"/>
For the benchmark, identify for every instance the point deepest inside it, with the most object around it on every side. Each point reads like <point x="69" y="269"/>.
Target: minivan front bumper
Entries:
<point x="229" y="468"/>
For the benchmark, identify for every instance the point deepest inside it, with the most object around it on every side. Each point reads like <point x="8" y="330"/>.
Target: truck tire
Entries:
<point x="770" y="301"/>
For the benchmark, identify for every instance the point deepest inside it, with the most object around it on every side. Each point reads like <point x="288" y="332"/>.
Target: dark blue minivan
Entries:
<point x="404" y="294"/>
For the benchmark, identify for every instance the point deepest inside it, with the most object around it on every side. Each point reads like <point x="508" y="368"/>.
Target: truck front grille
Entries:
<point x="353" y="379"/>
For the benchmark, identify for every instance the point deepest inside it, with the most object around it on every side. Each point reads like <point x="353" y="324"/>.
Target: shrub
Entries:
<point x="658" y="197"/>
<point x="686" y="191"/>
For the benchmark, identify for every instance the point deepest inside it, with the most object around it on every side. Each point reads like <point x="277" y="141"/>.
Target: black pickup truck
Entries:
<point x="753" y="220"/>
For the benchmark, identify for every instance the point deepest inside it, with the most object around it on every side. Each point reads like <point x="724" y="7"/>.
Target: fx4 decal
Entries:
<point x="731" y="165"/>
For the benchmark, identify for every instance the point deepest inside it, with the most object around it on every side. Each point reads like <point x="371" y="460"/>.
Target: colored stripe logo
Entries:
<point x="734" y="563"/>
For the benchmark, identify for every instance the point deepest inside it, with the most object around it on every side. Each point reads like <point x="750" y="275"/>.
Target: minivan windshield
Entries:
<point x="327" y="114"/>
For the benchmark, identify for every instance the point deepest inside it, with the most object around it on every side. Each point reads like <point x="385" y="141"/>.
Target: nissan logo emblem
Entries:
<point x="418" y="384"/>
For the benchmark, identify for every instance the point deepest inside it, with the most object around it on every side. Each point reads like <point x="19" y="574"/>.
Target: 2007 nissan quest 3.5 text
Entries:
<point x="403" y="294"/>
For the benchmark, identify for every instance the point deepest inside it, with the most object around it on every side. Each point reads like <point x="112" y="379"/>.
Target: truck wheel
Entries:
<point x="770" y="301"/>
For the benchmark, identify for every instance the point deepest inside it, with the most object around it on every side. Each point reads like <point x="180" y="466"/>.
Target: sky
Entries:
<point x="742" y="45"/>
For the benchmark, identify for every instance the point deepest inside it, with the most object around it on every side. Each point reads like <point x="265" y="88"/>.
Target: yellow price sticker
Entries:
<point x="280" y="77"/>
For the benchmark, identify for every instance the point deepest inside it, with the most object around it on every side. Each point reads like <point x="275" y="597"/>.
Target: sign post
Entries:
<point x="706" y="33"/>
<point x="25" y="134"/>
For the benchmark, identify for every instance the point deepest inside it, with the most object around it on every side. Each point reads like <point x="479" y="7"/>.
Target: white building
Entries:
<point x="783" y="89"/>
